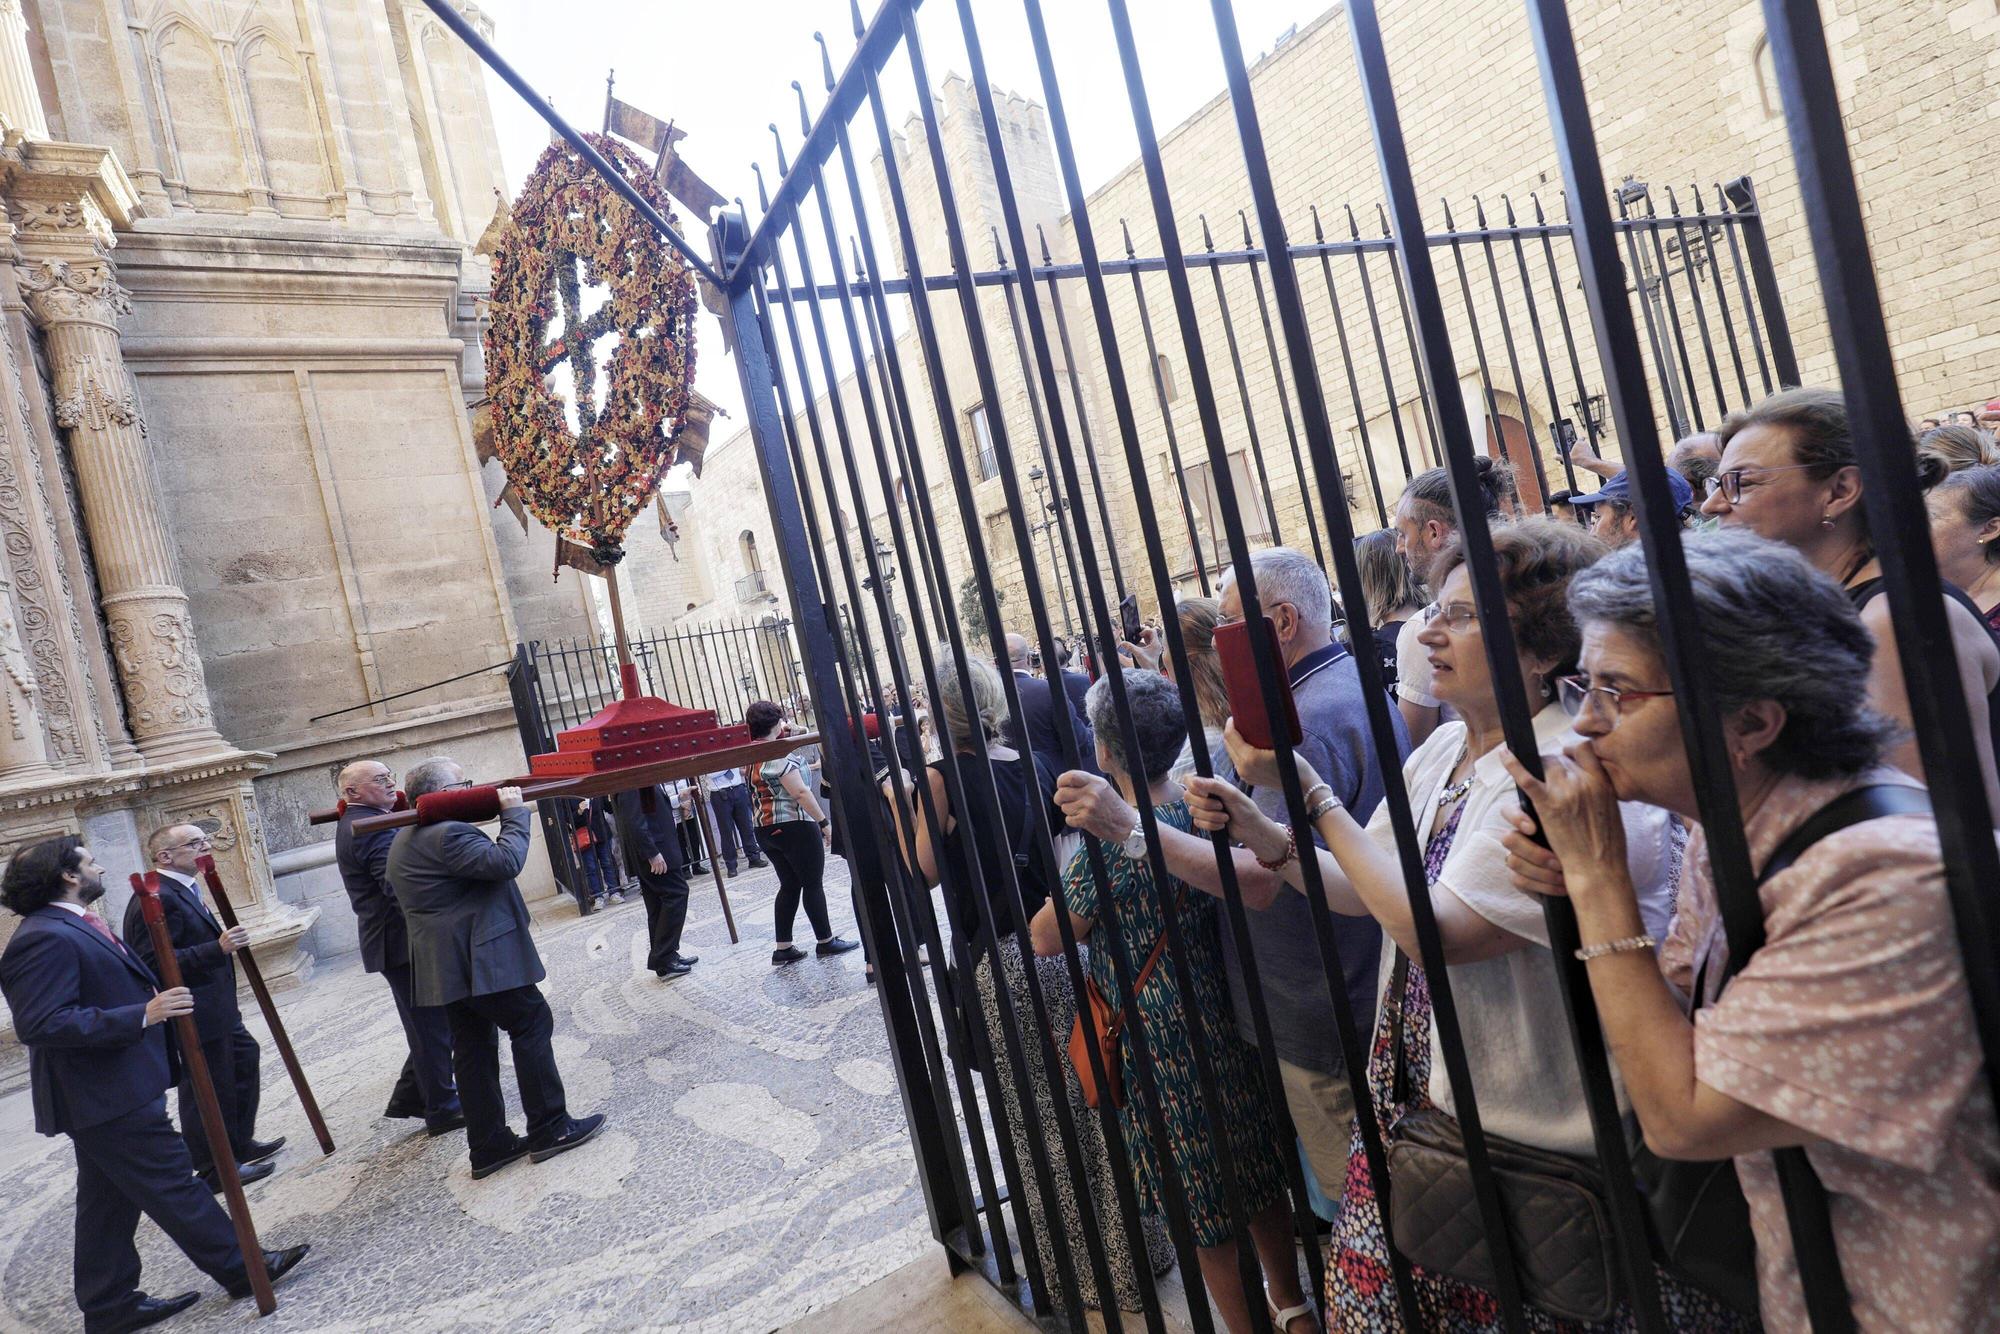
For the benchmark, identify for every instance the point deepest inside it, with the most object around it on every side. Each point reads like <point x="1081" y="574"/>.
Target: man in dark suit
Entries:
<point x="1035" y="730"/>
<point x="99" y="1064"/>
<point x="653" y="853"/>
<point x="471" y="951"/>
<point x="425" y="1087"/>
<point x="204" y="949"/>
<point x="1074" y="683"/>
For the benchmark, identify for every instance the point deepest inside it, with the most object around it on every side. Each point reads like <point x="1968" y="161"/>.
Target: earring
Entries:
<point x="1826" y="522"/>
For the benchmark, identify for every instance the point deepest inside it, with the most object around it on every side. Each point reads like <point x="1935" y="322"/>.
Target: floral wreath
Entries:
<point x="569" y="228"/>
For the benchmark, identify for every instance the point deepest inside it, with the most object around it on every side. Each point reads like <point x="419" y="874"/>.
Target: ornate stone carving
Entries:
<point x="41" y="620"/>
<point x="165" y="691"/>
<point x="62" y="291"/>
<point x="49" y="215"/>
<point x="100" y="395"/>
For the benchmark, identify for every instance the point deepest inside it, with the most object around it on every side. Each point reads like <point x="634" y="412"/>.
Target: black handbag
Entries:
<point x="1700" y="1220"/>
<point x="1558" y="1225"/>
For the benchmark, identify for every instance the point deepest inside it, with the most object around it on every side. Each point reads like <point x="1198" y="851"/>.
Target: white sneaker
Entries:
<point x="616" y="897"/>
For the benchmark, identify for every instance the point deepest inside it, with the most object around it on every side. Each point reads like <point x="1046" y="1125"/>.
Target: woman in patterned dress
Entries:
<point x="1849" y="1032"/>
<point x="1136" y="911"/>
<point x="986" y="927"/>
<point x="1511" y="1017"/>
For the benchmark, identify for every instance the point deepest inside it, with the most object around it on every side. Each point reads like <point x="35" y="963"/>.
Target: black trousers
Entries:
<point x="131" y="1165"/>
<point x="733" y="825"/>
<point x="233" y="1059"/>
<point x="476" y="1025"/>
<point x="795" y="849"/>
<point x="425" y="1085"/>
<point x="692" y="852"/>
<point x="666" y="913"/>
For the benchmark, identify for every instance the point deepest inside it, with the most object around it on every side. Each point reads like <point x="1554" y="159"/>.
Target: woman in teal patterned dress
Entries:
<point x="1136" y="912"/>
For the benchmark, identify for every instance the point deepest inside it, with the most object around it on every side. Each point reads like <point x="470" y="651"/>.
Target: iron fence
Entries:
<point x="1707" y="302"/>
<point x="559" y="684"/>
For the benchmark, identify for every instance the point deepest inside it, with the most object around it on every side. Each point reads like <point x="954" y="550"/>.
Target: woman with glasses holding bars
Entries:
<point x="1503" y="974"/>
<point x="1789" y="473"/>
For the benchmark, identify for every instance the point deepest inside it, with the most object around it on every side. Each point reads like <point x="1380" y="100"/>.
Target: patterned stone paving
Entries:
<point x="755" y="1167"/>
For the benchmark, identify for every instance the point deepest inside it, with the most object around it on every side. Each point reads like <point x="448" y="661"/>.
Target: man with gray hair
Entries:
<point x="471" y="952"/>
<point x="1035" y="730"/>
<point x="425" y="1087"/>
<point x="1333" y="719"/>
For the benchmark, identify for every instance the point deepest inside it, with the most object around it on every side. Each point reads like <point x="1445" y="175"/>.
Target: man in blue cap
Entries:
<point x="1610" y="515"/>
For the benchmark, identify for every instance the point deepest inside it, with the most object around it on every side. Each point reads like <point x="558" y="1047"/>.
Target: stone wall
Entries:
<point x="1682" y="94"/>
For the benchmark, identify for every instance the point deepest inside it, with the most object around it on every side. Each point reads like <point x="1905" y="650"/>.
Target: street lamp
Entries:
<point x="1053" y="509"/>
<point x="1630" y="194"/>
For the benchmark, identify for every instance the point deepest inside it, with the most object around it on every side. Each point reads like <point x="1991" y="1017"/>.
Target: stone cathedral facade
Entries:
<point x="239" y="485"/>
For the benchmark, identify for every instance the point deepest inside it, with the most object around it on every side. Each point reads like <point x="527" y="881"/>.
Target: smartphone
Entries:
<point x="1128" y="619"/>
<point x="1252" y="710"/>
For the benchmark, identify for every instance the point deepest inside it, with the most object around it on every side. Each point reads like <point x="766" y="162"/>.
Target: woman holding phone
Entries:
<point x="1503" y="971"/>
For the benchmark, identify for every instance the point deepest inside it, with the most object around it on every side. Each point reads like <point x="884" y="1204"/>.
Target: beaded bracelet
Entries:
<point x="1291" y="851"/>
<point x="1625" y="946"/>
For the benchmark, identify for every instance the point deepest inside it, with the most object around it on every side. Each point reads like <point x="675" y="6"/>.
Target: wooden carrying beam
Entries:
<point x="264" y="1003"/>
<point x="147" y="887"/>
<point x="606" y="782"/>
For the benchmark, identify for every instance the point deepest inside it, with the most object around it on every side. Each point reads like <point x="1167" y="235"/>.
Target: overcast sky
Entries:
<point x="723" y="73"/>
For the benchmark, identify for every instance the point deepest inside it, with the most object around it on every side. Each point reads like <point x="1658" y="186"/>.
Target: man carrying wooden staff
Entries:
<point x="205" y="949"/>
<point x="90" y="1013"/>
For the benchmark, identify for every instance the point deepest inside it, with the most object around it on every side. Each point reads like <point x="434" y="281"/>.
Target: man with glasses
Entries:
<point x="204" y="950"/>
<point x="1610" y="515"/>
<point x="425" y="1087"/>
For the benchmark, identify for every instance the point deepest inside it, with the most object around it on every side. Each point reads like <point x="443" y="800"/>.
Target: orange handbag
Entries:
<point x="1109" y="1024"/>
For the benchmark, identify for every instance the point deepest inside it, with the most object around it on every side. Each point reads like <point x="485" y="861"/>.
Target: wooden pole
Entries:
<point x="263" y="994"/>
<point x="147" y="887"/>
<point x="714" y="856"/>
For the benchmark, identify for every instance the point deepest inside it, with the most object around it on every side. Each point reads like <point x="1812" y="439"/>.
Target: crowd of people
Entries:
<point x="1848" y="1033"/>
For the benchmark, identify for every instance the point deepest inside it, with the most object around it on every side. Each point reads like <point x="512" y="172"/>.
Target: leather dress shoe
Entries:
<point x="445" y="1124"/>
<point x="675" y="967"/>
<point x="151" y="1311"/>
<point x="247" y="1173"/>
<point x="835" y="945"/>
<point x="258" y="1151"/>
<point x="580" y="1129"/>
<point x="406" y="1111"/>
<point x="277" y="1264"/>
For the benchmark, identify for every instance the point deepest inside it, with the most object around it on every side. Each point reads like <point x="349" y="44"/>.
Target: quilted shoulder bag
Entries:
<point x="1558" y="1226"/>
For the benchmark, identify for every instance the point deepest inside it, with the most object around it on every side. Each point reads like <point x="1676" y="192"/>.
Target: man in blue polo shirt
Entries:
<point x="1333" y="720"/>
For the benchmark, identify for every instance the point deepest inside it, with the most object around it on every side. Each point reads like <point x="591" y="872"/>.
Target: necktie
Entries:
<point x="98" y="924"/>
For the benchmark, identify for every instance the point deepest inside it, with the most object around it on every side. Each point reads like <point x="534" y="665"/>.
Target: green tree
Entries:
<point x="971" y="614"/>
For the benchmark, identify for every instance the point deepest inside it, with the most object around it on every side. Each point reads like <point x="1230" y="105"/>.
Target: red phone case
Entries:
<point x="1248" y="704"/>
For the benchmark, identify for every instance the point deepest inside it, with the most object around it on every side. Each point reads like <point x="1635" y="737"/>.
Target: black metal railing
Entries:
<point x="1683" y="322"/>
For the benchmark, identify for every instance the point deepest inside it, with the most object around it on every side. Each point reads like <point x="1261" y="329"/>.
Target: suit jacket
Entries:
<point x="1035" y="730"/>
<point x="205" y="970"/>
<point x="364" y="869"/>
<point x="1076" y="685"/>
<point x="79" y="1005"/>
<point x="468" y="926"/>
<point x="643" y="833"/>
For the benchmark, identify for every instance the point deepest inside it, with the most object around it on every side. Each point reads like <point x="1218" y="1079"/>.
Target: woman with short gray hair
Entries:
<point x="1165" y="1015"/>
<point x="986" y="925"/>
<point x="1849" y="1032"/>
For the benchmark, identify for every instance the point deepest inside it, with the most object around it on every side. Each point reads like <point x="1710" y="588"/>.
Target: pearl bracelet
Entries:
<point x="1625" y="946"/>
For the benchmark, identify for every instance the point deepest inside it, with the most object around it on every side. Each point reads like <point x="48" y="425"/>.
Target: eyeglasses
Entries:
<point x="1730" y="483"/>
<point x="454" y="787"/>
<point x="1575" y="692"/>
<point x="200" y="841"/>
<point x="1457" y="617"/>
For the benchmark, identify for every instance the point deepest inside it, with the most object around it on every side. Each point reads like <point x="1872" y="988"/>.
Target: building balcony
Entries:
<point x="755" y="587"/>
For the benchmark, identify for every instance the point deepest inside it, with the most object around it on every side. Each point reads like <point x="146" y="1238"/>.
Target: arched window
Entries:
<point x="746" y="546"/>
<point x="1169" y="390"/>
<point x="1767" y="79"/>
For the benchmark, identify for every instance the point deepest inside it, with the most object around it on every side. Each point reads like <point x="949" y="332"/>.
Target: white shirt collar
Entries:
<point x="76" y="908"/>
<point x="1552" y="733"/>
<point x="177" y="877"/>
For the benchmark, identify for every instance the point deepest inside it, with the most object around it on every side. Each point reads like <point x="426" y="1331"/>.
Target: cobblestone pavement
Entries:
<point x="755" y="1167"/>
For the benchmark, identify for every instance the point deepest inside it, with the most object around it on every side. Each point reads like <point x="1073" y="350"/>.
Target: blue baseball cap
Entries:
<point x="1619" y="490"/>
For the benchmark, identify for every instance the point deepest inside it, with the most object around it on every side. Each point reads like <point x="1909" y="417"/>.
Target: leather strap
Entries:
<point x="1152" y="961"/>
<point x="1871" y="802"/>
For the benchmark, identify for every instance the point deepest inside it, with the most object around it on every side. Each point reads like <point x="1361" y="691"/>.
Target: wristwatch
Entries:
<point x="1134" y="844"/>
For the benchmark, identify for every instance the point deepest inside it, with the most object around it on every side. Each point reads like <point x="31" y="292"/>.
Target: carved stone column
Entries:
<point x="24" y="755"/>
<point x="77" y="304"/>
<point x="20" y="98"/>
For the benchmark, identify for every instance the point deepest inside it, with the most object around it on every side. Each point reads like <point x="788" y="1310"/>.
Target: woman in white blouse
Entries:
<point x="1503" y="977"/>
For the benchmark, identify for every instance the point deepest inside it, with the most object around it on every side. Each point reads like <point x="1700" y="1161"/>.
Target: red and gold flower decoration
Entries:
<point x="570" y="231"/>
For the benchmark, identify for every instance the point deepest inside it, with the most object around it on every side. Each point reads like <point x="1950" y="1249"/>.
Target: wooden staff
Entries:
<point x="147" y="887"/>
<point x="714" y="857"/>
<point x="263" y="995"/>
